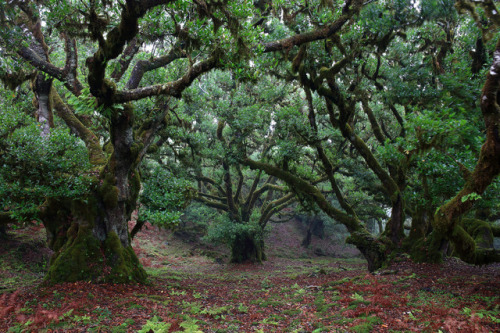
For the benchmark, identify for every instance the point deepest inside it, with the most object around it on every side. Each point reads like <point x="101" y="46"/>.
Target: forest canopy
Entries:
<point x="364" y="111"/>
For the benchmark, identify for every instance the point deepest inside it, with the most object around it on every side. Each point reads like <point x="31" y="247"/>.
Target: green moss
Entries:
<point x="464" y="244"/>
<point x="153" y="149"/>
<point x="108" y="191"/>
<point x="366" y="325"/>
<point x="108" y="148"/>
<point x="374" y="250"/>
<point x="136" y="149"/>
<point x="427" y="249"/>
<point x="125" y="266"/>
<point x="77" y="259"/>
<point x="110" y="196"/>
<point x="480" y="231"/>
<point x="247" y="247"/>
<point x="85" y="258"/>
<point x="135" y="183"/>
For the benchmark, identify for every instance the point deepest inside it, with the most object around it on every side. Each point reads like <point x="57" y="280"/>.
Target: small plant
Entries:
<point x="155" y="325"/>
<point x="265" y="283"/>
<point x="66" y="315"/>
<point x="357" y="297"/>
<point x="189" y="326"/>
<point x="242" y="308"/>
<point x="216" y="312"/>
<point x="82" y="319"/>
<point x="20" y="327"/>
<point x="193" y="308"/>
<point x="104" y="313"/>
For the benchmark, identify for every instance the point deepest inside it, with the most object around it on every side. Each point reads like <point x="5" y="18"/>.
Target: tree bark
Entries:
<point x="247" y="247"/>
<point x="487" y="168"/>
<point x="90" y="237"/>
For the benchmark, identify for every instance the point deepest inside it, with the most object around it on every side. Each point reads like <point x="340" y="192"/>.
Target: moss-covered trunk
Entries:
<point x="90" y="236"/>
<point x="372" y="248"/>
<point x="247" y="246"/>
<point x="419" y="225"/>
<point x="88" y="245"/>
<point x="487" y="169"/>
<point x="394" y="229"/>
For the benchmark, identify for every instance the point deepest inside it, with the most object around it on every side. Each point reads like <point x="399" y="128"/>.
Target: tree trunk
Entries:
<point x="394" y="229"/>
<point x="42" y="88"/>
<point x="87" y="244"/>
<point x="307" y="239"/>
<point x="315" y="227"/>
<point x="90" y="237"/>
<point x="247" y="247"/>
<point x="372" y="248"/>
<point x="487" y="169"/>
<point x="419" y="225"/>
<point x="3" y="232"/>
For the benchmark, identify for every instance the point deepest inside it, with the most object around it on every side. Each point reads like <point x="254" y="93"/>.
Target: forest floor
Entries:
<point x="193" y="289"/>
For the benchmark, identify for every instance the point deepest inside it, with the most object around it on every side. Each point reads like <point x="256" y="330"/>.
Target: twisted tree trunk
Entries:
<point x="90" y="236"/>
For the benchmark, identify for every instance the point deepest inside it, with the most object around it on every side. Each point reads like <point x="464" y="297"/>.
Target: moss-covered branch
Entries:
<point x="143" y="66"/>
<point x="174" y="88"/>
<point x="276" y="206"/>
<point x="352" y="7"/>
<point x="213" y="204"/>
<point x="96" y="154"/>
<point x="311" y="191"/>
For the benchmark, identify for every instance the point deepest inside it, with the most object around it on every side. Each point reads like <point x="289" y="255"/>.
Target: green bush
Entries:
<point x="35" y="168"/>
<point x="163" y="198"/>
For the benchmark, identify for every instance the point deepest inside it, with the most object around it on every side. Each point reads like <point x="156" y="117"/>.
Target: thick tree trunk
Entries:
<point x="88" y="245"/>
<point x="394" y="229"/>
<point x="90" y="237"/>
<point x="247" y="247"/>
<point x="419" y="225"/>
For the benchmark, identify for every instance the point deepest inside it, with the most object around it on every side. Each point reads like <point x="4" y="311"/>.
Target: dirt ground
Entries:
<point x="192" y="288"/>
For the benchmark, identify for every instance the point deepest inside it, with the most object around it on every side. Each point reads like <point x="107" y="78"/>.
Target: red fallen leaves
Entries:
<point x="8" y="303"/>
<point x="412" y="300"/>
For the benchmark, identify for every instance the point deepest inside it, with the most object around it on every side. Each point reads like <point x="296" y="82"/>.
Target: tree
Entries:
<point x="371" y="83"/>
<point x="219" y="117"/>
<point x="115" y="101"/>
<point x="35" y="169"/>
<point x="342" y="97"/>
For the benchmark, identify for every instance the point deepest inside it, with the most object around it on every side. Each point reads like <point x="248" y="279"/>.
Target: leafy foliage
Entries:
<point x="35" y="168"/>
<point x="163" y="198"/>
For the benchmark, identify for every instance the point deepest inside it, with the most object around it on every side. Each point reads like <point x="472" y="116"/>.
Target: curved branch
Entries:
<point x="143" y="66"/>
<point x="174" y="88"/>
<point x="125" y="59"/>
<point x="352" y="223"/>
<point x="212" y="204"/>
<point x="275" y="206"/>
<point x="96" y="155"/>
<point x="322" y="33"/>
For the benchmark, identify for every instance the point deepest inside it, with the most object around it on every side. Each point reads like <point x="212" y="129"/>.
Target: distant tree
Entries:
<point x="225" y="115"/>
